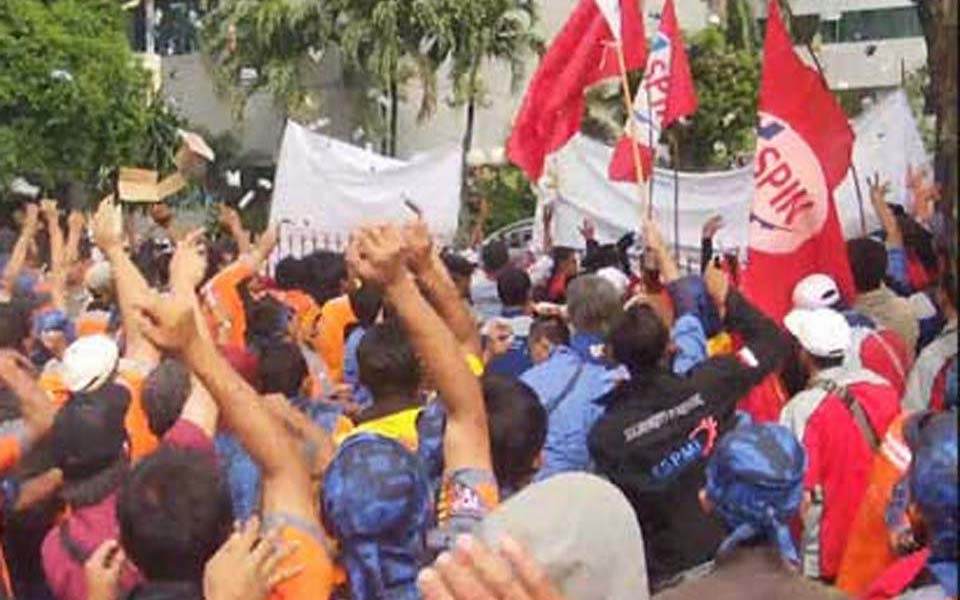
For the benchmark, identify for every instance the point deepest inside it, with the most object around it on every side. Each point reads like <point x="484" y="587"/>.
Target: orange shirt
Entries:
<point x="868" y="552"/>
<point x="317" y="578"/>
<point x="335" y="316"/>
<point x="223" y="306"/>
<point x="142" y="441"/>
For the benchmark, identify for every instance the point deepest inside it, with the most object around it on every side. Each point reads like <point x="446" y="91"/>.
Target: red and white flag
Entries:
<point x="804" y="147"/>
<point x="665" y="96"/>
<point x="583" y="53"/>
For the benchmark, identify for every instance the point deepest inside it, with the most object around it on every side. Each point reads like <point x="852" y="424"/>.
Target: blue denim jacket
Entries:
<point x="576" y="412"/>
<point x="243" y="475"/>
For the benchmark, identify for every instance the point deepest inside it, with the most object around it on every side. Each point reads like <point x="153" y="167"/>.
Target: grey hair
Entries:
<point x="593" y="304"/>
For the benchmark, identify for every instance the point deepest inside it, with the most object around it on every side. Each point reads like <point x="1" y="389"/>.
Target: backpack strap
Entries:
<point x="567" y="389"/>
<point x="856" y="411"/>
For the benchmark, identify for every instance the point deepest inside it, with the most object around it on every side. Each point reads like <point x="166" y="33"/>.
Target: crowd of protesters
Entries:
<point x="399" y="421"/>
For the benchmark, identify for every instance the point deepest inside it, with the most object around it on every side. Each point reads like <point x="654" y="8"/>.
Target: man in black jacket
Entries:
<point x="659" y="429"/>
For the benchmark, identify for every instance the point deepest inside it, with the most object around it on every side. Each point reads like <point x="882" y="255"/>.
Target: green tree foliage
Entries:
<point x="727" y="81"/>
<point x="268" y="45"/>
<point x="470" y="33"/>
<point x="73" y="99"/>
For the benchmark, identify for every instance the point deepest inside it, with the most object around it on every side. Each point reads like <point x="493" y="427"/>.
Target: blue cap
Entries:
<point x="377" y="504"/>
<point x="755" y="481"/>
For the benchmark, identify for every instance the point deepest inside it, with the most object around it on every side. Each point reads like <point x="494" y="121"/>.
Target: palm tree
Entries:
<point x="267" y="45"/>
<point x="469" y="33"/>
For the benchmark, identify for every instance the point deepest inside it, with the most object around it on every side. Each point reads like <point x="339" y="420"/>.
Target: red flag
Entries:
<point x="582" y="54"/>
<point x="804" y="146"/>
<point x="665" y="96"/>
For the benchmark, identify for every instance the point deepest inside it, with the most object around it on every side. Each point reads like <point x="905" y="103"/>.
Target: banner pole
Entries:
<point x="628" y="104"/>
<point x="674" y="155"/>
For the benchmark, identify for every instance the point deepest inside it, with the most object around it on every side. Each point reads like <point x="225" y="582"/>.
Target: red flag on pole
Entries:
<point x="665" y="96"/>
<point x="804" y="147"/>
<point x="582" y="54"/>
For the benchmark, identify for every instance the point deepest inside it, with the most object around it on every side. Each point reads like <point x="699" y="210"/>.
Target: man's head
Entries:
<point x="545" y="335"/>
<point x="174" y="513"/>
<point x="366" y="303"/>
<point x="55" y="331"/>
<point x="89" y="443"/>
<point x="565" y="261"/>
<point x="161" y="214"/>
<point x="755" y="484"/>
<point x="495" y="256"/>
<point x="593" y="305"/>
<point x="824" y="337"/>
<point x="291" y="273"/>
<point x="282" y="370"/>
<point x="817" y="291"/>
<point x="377" y="504"/>
<point x="518" y="429"/>
<point x="165" y="391"/>
<point x="639" y="340"/>
<point x="513" y="287"/>
<point x="868" y="261"/>
<point x="387" y="363"/>
<point x="461" y="270"/>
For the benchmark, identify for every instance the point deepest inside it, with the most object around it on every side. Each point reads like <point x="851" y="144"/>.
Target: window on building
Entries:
<point x="870" y="25"/>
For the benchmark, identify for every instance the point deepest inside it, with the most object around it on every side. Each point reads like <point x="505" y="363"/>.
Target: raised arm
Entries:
<point x="35" y="407"/>
<point x="171" y="323"/>
<point x="654" y="240"/>
<point x="378" y="256"/>
<point x="132" y="288"/>
<point x="878" y="198"/>
<point x="230" y="219"/>
<point x="75" y="224"/>
<point x="18" y="257"/>
<point x="438" y="287"/>
<point x="58" y="259"/>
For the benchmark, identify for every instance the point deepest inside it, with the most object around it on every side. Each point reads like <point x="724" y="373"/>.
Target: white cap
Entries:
<point x="823" y="332"/>
<point x="616" y="277"/>
<point x="89" y="363"/>
<point x="816" y="291"/>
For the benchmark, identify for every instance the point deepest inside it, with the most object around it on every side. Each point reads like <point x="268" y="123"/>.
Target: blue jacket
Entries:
<point x="569" y="387"/>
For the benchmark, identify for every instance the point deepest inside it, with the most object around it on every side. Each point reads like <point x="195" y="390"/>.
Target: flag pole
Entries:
<point x="628" y="104"/>
<point x="853" y="165"/>
<point x="674" y="156"/>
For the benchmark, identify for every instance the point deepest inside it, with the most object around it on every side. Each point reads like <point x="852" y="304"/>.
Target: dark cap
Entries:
<point x="88" y="432"/>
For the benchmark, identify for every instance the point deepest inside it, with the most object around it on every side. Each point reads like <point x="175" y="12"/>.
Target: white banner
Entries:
<point x="329" y="188"/>
<point x="887" y="141"/>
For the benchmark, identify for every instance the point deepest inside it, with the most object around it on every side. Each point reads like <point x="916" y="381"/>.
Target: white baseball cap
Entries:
<point x="816" y="291"/>
<point x="89" y="363"/>
<point x="823" y="332"/>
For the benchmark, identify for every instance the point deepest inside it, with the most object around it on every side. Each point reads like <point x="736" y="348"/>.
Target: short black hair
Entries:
<point x="495" y="256"/>
<point x="174" y="513"/>
<point x="457" y="265"/>
<point x="639" y="339"/>
<point x="165" y="391"/>
<point x="554" y="329"/>
<point x="266" y="322"/>
<point x="291" y="273"/>
<point x="282" y="369"/>
<point x="387" y="362"/>
<point x="518" y="428"/>
<point x="827" y="362"/>
<point x="868" y="261"/>
<point x="325" y="273"/>
<point x="366" y="302"/>
<point x="513" y="287"/>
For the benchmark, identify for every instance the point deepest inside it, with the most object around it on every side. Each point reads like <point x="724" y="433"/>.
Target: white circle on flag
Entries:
<point x="790" y="200"/>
